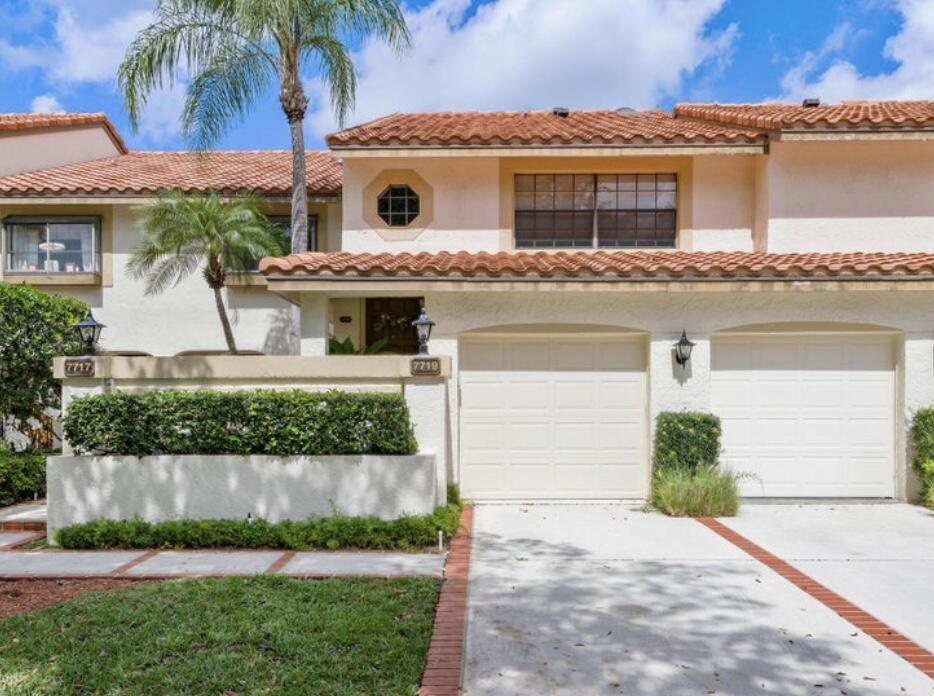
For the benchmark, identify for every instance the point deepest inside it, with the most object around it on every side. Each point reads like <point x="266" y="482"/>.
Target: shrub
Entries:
<point x="339" y="531"/>
<point x="922" y="452"/>
<point x="705" y="492"/>
<point x="22" y="476"/>
<point x="34" y="327"/>
<point x="686" y="440"/>
<point x="240" y="422"/>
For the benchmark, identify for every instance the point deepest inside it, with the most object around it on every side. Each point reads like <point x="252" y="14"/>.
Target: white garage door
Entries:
<point x="549" y="417"/>
<point x="807" y="416"/>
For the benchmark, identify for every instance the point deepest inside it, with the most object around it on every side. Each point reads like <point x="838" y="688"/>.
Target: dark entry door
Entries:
<point x="391" y="318"/>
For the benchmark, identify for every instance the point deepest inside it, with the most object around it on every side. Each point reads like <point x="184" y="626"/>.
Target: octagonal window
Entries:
<point x="398" y="206"/>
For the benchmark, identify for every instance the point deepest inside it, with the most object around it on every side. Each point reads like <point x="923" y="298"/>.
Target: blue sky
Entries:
<point x="509" y="54"/>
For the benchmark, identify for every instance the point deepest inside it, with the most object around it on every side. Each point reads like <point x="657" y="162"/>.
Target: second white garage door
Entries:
<point x="553" y="417"/>
<point x="807" y="416"/>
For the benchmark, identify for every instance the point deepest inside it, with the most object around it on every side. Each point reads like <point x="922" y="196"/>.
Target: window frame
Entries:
<point x="410" y="194"/>
<point x="48" y="221"/>
<point x="312" y="229"/>
<point x="594" y="211"/>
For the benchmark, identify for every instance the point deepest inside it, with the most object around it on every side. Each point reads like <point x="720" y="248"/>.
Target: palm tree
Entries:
<point x="234" y="50"/>
<point x="184" y="232"/>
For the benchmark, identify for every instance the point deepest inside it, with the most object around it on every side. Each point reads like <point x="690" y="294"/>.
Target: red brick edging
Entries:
<point x="899" y="644"/>
<point x="442" y="676"/>
<point x="22" y="526"/>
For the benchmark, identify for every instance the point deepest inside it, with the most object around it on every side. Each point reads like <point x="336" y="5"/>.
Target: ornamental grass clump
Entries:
<point x="705" y="492"/>
<point x="687" y="481"/>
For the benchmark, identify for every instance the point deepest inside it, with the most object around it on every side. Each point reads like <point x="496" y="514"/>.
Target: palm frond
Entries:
<point x="223" y="92"/>
<point x="337" y="73"/>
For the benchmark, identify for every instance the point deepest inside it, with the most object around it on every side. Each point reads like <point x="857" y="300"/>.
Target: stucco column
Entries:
<point x="916" y="383"/>
<point x="426" y="398"/>
<point x="313" y="333"/>
<point x="671" y="387"/>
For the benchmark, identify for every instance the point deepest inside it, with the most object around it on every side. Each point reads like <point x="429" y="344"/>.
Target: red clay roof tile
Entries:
<point x="604" y="264"/>
<point x="264" y="172"/>
<point x="18" y="122"/>
<point x="500" y="128"/>
<point x="848" y="114"/>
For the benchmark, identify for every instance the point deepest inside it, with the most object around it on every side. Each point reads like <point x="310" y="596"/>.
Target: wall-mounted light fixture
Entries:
<point x="683" y="349"/>
<point x="89" y="330"/>
<point x="423" y="326"/>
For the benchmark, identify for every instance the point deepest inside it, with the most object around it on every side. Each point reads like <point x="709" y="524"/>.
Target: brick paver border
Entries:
<point x="896" y="642"/>
<point x="442" y="676"/>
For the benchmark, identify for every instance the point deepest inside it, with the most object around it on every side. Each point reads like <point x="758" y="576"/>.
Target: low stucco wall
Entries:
<point x="81" y="489"/>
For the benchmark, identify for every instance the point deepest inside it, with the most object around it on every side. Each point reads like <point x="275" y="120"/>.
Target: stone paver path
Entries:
<point x="159" y="564"/>
<point x="8" y="539"/>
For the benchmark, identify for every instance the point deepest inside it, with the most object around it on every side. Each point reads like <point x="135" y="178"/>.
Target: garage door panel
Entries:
<point x="807" y="416"/>
<point x="571" y="415"/>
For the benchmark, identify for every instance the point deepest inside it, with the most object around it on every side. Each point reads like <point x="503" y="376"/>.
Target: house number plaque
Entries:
<point x="79" y="367"/>
<point x="426" y="367"/>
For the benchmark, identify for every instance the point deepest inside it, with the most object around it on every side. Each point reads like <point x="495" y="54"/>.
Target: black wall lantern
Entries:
<point x="423" y="326"/>
<point x="683" y="349"/>
<point x="89" y="330"/>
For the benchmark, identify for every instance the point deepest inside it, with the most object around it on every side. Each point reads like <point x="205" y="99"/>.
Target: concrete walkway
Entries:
<point x="163" y="564"/>
<point x="611" y="600"/>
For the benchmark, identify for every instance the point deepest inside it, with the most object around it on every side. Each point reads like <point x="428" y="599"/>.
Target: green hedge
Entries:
<point x="686" y="440"/>
<point x="22" y="476"/>
<point x="922" y="452"/>
<point x="240" y="422"/>
<point x="407" y="533"/>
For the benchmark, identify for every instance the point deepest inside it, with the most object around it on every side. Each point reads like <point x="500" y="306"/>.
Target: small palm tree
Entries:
<point x="234" y="50"/>
<point x="184" y="232"/>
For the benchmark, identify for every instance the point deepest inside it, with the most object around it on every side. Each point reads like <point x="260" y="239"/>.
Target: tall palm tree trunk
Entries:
<point x="225" y="321"/>
<point x="299" y="188"/>
<point x="294" y="104"/>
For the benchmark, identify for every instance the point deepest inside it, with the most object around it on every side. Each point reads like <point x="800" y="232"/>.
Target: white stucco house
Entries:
<point x="561" y="254"/>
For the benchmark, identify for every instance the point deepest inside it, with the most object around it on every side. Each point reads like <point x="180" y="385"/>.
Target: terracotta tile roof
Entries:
<point x="20" y="122"/>
<point x="600" y="264"/>
<point x="265" y="172"/>
<point x="848" y="114"/>
<point x="499" y="128"/>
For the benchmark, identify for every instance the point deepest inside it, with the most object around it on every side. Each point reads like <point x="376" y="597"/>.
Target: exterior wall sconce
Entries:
<point x="683" y="349"/>
<point x="89" y="331"/>
<point x="423" y="326"/>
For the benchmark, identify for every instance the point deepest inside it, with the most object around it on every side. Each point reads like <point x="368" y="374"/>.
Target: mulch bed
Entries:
<point x="20" y="596"/>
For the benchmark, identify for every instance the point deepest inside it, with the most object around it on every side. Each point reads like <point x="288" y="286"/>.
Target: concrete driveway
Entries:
<point x="568" y="599"/>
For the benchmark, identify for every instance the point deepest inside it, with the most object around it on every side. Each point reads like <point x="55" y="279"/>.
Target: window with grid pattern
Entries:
<point x="398" y="206"/>
<point x="596" y="210"/>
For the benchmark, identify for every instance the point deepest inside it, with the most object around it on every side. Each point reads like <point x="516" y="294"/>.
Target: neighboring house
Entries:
<point x="561" y="255"/>
<point x="67" y="206"/>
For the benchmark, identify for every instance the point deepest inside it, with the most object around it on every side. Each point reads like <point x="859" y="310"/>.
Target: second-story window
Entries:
<point x="53" y="244"/>
<point x="596" y="210"/>
<point x="398" y="206"/>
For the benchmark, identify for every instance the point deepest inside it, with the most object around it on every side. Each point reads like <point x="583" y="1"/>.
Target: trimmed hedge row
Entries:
<point x="270" y="422"/>
<point x="686" y="440"/>
<point x="22" y="476"/>
<point x="922" y="452"/>
<point x="407" y="533"/>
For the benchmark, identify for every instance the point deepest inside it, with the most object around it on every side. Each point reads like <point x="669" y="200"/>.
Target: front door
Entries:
<point x="391" y="318"/>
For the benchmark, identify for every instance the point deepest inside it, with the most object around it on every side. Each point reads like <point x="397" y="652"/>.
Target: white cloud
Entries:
<point x="46" y="104"/>
<point x="912" y="49"/>
<point x="92" y="51"/>
<point x="86" y="43"/>
<point x="519" y="54"/>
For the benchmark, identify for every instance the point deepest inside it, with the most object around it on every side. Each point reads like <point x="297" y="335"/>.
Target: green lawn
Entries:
<point x="262" y="635"/>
